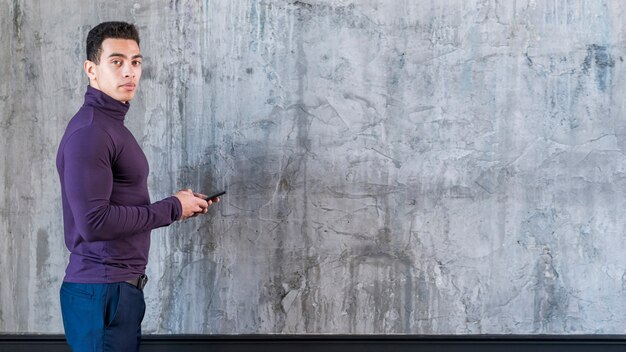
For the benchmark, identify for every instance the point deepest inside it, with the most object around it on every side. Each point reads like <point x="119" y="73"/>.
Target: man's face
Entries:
<point x="117" y="75"/>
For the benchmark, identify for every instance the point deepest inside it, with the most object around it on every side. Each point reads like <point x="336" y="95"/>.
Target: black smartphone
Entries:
<point x="221" y="193"/>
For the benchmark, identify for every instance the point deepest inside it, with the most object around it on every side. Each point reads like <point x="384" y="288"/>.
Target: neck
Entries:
<point x="115" y="108"/>
<point x="94" y="84"/>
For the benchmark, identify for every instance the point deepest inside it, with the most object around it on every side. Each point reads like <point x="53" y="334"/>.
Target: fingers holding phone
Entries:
<point x="194" y="203"/>
<point x="191" y="205"/>
<point x="212" y="198"/>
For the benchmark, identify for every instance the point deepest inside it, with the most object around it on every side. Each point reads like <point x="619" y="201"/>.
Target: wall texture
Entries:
<point x="423" y="167"/>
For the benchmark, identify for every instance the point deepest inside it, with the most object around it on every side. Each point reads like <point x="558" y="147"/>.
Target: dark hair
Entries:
<point x="115" y="30"/>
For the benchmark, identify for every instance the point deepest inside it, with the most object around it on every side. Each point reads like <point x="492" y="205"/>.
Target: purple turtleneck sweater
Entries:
<point x="107" y="212"/>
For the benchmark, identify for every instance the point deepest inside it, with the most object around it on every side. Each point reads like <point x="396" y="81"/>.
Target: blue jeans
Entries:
<point x="102" y="317"/>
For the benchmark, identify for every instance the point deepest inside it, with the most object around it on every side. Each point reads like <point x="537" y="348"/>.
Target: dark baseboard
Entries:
<point x="341" y="343"/>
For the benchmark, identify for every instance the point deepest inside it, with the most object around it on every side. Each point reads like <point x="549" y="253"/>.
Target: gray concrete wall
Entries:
<point x="429" y="167"/>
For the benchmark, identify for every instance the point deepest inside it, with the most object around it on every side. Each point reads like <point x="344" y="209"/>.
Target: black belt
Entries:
<point x="139" y="282"/>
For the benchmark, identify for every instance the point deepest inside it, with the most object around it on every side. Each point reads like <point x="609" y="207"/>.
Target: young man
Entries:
<point x="107" y="211"/>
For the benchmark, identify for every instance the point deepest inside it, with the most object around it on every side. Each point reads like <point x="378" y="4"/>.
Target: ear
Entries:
<point x="90" y="70"/>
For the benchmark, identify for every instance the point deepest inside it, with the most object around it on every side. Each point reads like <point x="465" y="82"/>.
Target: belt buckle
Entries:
<point x="142" y="281"/>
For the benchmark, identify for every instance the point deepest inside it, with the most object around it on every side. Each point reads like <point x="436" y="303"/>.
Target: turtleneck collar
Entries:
<point x="114" y="108"/>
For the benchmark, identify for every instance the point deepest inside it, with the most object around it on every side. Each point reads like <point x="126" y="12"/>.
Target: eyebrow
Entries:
<point x="138" y="56"/>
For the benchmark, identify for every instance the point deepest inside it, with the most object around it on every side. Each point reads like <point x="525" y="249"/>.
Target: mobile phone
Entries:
<point x="221" y="193"/>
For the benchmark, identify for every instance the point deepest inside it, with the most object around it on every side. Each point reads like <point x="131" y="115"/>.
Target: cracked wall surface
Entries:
<point x="420" y="167"/>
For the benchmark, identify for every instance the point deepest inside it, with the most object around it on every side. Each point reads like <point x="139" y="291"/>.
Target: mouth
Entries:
<point x="129" y="86"/>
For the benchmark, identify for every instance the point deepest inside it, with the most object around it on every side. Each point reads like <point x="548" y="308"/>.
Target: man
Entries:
<point x="107" y="211"/>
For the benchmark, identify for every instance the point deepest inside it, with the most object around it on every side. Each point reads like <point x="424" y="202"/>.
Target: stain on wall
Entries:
<point x="429" y="167"/>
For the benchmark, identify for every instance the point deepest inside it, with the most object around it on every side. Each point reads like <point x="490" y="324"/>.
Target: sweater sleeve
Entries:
<point x="88" y="182"/>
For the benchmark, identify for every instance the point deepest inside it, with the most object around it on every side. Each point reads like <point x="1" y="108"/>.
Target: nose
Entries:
<point x="129" y="71"/>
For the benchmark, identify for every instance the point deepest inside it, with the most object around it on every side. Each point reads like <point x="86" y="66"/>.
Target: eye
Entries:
<point x="116" y="62"/>
<point x="136" y="63"/>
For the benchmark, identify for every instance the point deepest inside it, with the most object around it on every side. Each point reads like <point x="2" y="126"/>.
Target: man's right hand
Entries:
<point x="192" y="205"/>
